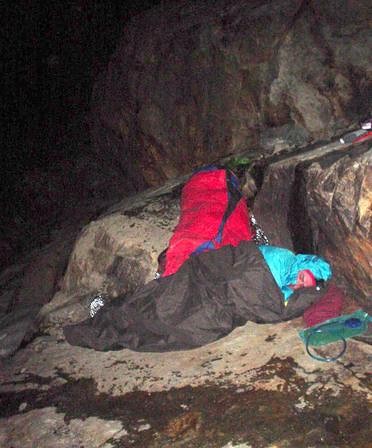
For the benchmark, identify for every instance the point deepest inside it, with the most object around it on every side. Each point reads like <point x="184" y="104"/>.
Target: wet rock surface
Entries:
<point x="256" y="387"/>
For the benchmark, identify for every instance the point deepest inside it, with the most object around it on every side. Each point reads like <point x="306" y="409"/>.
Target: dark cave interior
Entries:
<point x="52" y="53"/>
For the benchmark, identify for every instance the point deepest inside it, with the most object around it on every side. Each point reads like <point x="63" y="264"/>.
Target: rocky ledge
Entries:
<point x="255" y="388"/>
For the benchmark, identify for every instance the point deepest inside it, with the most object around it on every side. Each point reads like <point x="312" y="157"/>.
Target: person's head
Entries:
<point x="316" y="267"/>
<point x="305" y="279"/>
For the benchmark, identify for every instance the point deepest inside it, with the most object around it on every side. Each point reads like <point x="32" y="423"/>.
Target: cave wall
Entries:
<point x="193" y="81"/>
<point x="322" y="200"/>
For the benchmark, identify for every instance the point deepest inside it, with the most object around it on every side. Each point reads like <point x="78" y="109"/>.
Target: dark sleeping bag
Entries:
<point x="210" y="295"/>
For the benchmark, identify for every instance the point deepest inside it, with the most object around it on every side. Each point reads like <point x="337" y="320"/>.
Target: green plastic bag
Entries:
<point x="333" y="330"/>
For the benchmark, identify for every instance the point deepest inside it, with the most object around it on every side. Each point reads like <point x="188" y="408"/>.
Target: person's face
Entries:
<point x="304" y="280"/>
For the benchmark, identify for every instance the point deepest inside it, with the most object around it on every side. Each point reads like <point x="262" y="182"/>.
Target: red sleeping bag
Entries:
<point x="213" y="214"/>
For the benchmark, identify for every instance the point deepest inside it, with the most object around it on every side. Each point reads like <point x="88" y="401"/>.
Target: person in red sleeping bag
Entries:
<point x="214" y="213"/>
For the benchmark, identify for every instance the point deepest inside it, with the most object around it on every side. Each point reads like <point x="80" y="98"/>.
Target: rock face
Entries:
<point x="192" y="81"/>
<point x="322" y="203"/>
<point x="49" y="430"/>
<point x="114" y="255"/>
<point x="118" y="252"/>
<point x="27" y="287"/>
<point x="340" y="206"/>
